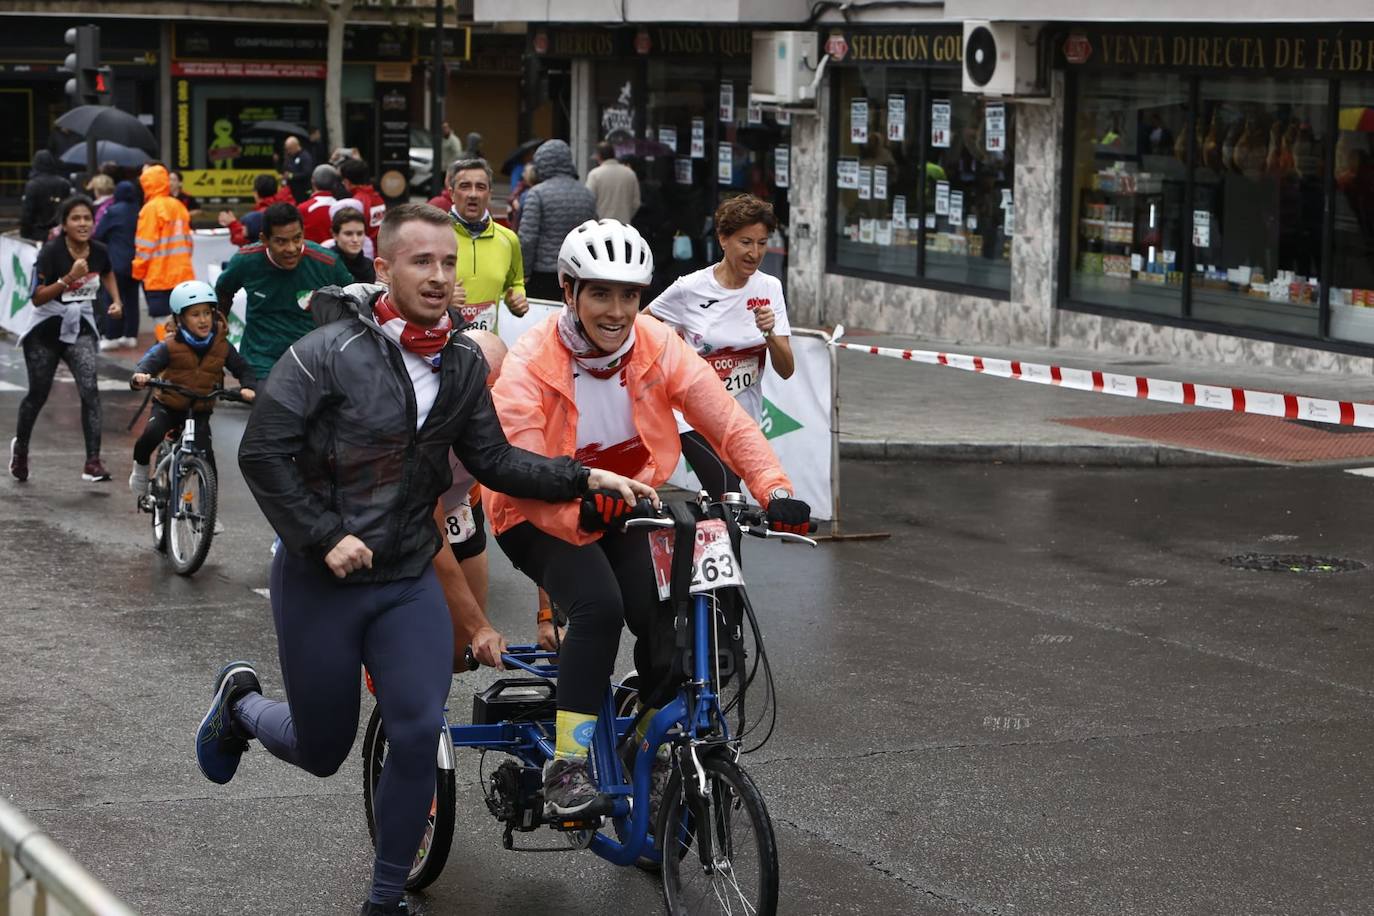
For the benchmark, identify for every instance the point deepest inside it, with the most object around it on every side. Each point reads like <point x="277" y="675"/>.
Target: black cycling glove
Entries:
<point x="603" y="508"/>
<point x="790" y="515"/>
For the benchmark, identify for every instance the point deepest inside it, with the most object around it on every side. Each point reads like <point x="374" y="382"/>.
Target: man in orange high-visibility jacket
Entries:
<point x="162" y="242"/>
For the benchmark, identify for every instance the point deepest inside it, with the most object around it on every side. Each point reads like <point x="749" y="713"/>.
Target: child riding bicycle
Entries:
<point x="194" y="355"/>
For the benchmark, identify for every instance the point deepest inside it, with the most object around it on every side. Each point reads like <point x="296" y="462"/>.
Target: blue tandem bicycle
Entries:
<point x="720" y="855"/>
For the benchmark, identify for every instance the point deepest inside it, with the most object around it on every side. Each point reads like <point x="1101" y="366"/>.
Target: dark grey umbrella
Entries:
<point x="279" y="127"/>
<point x="521" y="151"/>
<point x="101" y="122"/>
<point x="107" y="151"/>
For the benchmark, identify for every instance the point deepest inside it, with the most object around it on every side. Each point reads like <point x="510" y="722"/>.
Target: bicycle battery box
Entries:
<point x="514" y="698"/>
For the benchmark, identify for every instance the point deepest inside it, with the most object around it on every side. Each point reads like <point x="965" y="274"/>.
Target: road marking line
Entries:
<point x="1360" y="472"/>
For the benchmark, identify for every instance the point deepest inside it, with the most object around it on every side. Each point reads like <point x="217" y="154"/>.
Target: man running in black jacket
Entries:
<point x="346" y="452"/>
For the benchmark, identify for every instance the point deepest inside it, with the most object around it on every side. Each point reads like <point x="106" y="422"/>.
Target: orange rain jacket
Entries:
<point x="534" y="399"/>
<point x="162" y="242"/>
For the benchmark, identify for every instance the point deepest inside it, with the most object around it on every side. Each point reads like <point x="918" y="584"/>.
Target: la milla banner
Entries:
<point x="1329" y="51"/>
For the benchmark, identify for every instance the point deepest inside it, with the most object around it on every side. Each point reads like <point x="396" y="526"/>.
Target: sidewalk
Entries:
<point x="895" y="410"/>
<point x="892" y="409"/>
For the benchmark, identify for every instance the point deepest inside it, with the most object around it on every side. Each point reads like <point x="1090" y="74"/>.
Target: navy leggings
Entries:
<point x="326" y="631"/>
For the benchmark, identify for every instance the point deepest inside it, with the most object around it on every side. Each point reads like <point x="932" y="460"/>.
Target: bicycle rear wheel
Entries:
<point x="720" y="855"/>
<point x="158" y="496"/>
<point x="438" y="839"/>
<point x="191" y="515"/>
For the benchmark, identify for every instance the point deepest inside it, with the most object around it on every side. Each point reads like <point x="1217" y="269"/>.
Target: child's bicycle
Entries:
<point x="182" y="489"/>
<point x="721" y="856"/>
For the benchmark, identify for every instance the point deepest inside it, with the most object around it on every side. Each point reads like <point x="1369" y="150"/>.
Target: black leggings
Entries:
<point x="160" y="421"/>
<point x="598" y="586"/>
<point x="42" y="352"/>
<point x="715" y="476"/>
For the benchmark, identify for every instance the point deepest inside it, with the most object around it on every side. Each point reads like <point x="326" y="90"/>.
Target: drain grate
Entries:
<point x="1291" y="562"/>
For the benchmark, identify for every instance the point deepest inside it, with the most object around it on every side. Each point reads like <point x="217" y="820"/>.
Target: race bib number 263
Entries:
<point x="713" y="559"/>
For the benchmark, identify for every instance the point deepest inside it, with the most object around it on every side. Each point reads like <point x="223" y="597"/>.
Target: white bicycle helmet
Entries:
<point x="607" y="250"/>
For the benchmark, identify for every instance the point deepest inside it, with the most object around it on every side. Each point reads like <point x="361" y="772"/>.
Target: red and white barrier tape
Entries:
<point x="1217" y="397"/>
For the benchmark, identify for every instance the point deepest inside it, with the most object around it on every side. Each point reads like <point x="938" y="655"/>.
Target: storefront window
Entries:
<point x="1352" y="261"/>
<point x="1130" y="153"/>
<point x="917" y="158"/>
<point x="1257" y="203"/>
<point x="876" y="215"/>
<point x="969" y="203"/>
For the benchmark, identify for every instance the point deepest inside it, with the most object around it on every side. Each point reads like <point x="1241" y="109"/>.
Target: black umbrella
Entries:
<point x="101" y="122"/>
<point x="521" y="151"/>
<point x="280" y="127"/>
<point x="107" y="151"/>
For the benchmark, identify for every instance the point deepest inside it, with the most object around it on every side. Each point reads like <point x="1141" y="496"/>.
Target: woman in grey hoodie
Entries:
<point x="555" y="206"/>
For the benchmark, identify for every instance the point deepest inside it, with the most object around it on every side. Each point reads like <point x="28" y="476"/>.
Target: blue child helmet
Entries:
<point x="192" y="292"/>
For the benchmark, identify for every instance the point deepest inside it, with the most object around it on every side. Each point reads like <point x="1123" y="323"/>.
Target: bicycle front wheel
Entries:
<point x="719" y="852"/>
<point x="191" y="515"/>
<point x="438" y="838"/>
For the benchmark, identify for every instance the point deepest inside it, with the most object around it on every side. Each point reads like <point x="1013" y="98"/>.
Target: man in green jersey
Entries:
<point x="490" y="268"/>
<point x="278" y="275"/>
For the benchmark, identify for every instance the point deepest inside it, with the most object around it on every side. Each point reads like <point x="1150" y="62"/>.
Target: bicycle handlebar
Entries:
<point x="752" y="521"/>
<point x="226" y="394"/>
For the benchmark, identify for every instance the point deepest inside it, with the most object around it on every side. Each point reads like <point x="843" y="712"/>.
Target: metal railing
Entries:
<point x="38" y="877"/>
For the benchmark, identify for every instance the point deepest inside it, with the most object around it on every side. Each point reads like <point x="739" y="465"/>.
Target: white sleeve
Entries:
<point x="669" y="304"/>
<point x="781" y="326"/>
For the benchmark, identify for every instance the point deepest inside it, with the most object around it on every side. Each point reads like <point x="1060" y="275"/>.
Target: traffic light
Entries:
<point x="91" y="84"/>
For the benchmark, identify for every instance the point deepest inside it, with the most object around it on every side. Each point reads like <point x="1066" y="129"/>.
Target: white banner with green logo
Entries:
<point x="17" y="257"/>
<point x="796" y="420"/>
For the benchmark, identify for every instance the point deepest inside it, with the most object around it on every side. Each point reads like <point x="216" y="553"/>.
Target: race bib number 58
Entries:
<point x="713" y="559"/>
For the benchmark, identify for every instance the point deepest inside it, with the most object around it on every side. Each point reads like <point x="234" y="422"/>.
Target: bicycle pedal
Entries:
<point x="576" y="825"/>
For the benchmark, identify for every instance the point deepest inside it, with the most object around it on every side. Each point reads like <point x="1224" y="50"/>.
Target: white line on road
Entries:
<point x="1361" y="472"/>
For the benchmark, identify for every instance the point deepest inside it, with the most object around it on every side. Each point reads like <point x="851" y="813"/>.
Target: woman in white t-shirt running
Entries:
<point x="734" y="316"/>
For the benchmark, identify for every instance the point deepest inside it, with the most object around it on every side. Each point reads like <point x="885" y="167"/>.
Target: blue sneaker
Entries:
<point x="218" y="744"/>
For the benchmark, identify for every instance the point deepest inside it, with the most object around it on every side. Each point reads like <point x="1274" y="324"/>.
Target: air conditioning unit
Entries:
<point x="785" y="67"/>
<point x="1000" y="59"/>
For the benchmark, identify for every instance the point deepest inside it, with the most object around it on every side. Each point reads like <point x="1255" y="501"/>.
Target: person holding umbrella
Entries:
<point x="45" y="189"/>
<point x="299" y="166"/>
<point x="116" y="230"/>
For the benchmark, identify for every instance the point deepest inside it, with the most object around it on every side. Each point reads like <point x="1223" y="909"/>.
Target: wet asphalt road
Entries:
<point x="1043" y="694"/>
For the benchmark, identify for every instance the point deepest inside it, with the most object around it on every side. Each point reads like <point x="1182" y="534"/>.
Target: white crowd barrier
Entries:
<point x="39" y="878"/>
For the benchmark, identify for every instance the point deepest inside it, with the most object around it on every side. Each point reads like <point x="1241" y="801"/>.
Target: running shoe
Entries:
<point x="128" y="343"/>
<point x="19" y="461"/>
<point x="111" y="343"/>
<point x="138" y="480"/>
<point x="395" y="908"/>
<point x="94" y="471"/>
<point x="219" y="745"/>
<point x="568" y="789"/>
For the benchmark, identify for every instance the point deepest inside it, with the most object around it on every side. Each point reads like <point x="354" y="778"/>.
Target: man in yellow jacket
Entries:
<point x="162" y="242"/>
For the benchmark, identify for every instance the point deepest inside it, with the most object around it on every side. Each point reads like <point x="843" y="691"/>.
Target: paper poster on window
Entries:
<point x="971" y="223"/>
<point x="682" y="170"/>
<point x="867" y="230"/>
<point x="1006" y="198"/>
<point x="896" y="117"/>
<point x="995" y="127"/>
<point x="883" y="232"/>
<point x="1009" y="219"/>
<point x="942" y="198"/>
<point x="956" y="208"/>
<point x="1202" y="228"/>
<point x="939" y="123"/>
<point x="727" y="101"/>
<point x="784" y="117"/>
<point x="847" y="174"/>
<point x="858" y="121"/>
<point x="865" y="182"/>
<point x="668" y="137"/>
<point x="782" y="166"/>
<point x="698" y="138"/>
<point x="725" y="164"/>
<point x="880" y="182"/>
<point x="754" y="113"/>
<point x="899" y="209"/>
<point x="930" y="220"/>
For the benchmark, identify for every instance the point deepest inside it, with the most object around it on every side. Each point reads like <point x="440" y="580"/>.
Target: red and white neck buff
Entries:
<point x="426" y="343"/>
<point x="588" y="356"/>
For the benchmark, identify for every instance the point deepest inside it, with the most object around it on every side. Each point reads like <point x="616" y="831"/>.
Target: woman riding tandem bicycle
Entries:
<point x="600" y="382"/>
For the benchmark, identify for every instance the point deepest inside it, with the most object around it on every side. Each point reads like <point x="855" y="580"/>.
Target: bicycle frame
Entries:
<point x="695" y="704"/>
